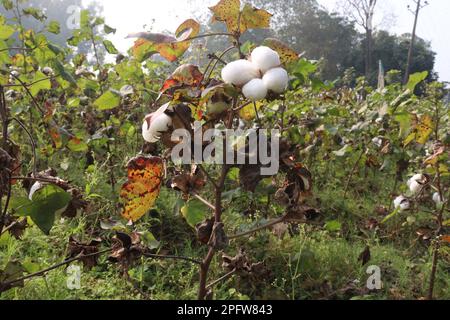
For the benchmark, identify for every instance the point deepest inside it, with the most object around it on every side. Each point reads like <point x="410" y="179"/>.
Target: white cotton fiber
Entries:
<point x="255" y="90"/>
<point x="401" y="203"/>
<point x="265" y="58"/>
<point x="240" y="72"/>
<point x="277" y="80"/>
<point x="155" y="125"/>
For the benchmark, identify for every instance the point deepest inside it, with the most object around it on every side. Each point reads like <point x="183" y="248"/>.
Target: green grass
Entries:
<point x="310" y="263"/>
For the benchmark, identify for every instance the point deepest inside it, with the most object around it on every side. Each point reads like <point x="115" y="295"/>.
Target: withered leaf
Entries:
<point x="219" y="240"/>
<point x="365" y="256"/>
<point x="77" y="248"/>
<point x="204" y="230"/>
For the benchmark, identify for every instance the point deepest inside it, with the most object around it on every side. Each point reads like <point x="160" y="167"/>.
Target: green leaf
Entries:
<point x="77" y="145"/>
<point x="109" y="30"/>
<point x="110" y="47"/>
<point x="42" y="209"/>
<point x="404" y="120"/>
<point x="6" y="32"/>
<point x="73" y="102"/>
<point x="107" y="101"/>
<point x="194" y="212"/>
<point x="4" y="56"/>
<point x="54" y="27"/>
<point x="415" y="79"/>
<point x="333" y="226"/>
<point x="7" y="4"/>
<point x="12" y="271"/>
<point x="63" y="72"/>
<point x="41" y="82"/>
<point x="35" y="13"/>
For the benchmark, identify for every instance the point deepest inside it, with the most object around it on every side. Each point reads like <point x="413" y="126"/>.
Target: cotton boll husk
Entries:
<point x="265" y="58"/>
<point x="240" y="72"/>
<point x="255" y="90"/>
<point x="277" y="80"/>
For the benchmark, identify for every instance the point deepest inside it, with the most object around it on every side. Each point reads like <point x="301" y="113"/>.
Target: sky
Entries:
<point x="434" y="22"/>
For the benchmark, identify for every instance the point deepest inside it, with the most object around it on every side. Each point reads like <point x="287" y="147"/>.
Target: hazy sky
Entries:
<point x="434" y="25"/>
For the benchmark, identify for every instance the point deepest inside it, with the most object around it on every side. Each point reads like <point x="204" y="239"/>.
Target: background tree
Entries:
<point x="362" y="12"/>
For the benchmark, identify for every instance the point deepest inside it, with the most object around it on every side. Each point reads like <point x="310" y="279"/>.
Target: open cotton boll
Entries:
<point x="155" y="124"/>
<point x="277" y="80"/>
<point x="147" y="134"/>
<point x="437" y="199"/>
<point x="255" y="90"/>
<point x="401" y="203"/>
<point x="160" y="124"/>
<point x="240" y="72"/>
<point x="415" y="187"/>
<point x="416" y="183"/>
<point x="265" y="58"/>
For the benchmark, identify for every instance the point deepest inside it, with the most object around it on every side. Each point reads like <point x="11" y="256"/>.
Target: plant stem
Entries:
<point x="263" y="227"/>
<point x="353" y="172"/>
<point x="223" y="278"/>
<point x="56" y="266"/>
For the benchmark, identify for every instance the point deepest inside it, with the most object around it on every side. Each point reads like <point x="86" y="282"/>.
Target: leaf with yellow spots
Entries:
<point x="229" y="12"/>
<point x="422" y="129"/>
<point x="254" y="18"/>
<point x="287" y="54"/>
<point x="139" y="193"/>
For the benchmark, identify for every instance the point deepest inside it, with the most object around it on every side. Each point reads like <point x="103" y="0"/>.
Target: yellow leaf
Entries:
<point x="421" y="131"/>
<point x="140" y="192"/>
<point x="228" y="12"/>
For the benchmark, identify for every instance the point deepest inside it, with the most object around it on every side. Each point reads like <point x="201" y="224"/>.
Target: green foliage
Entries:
<point x="83" y="119"/>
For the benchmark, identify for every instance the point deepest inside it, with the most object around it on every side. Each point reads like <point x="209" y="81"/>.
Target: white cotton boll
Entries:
<point x="401" y="203"/>
<point x="148" y="135"/>
<point x="378" y="142"/>
<point x="240" y="72"/>
<point x="35" y="187"/>
<point x="255" y="90"/>
<point x="277" y="80"/>
<point x="160" y="124"/>
<point x="405" y="206"/>
<point x="437" y="199"/>
<point x="265" y="58"/>
<point x="416" y="183"/>
<point x="415" y="187"/>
